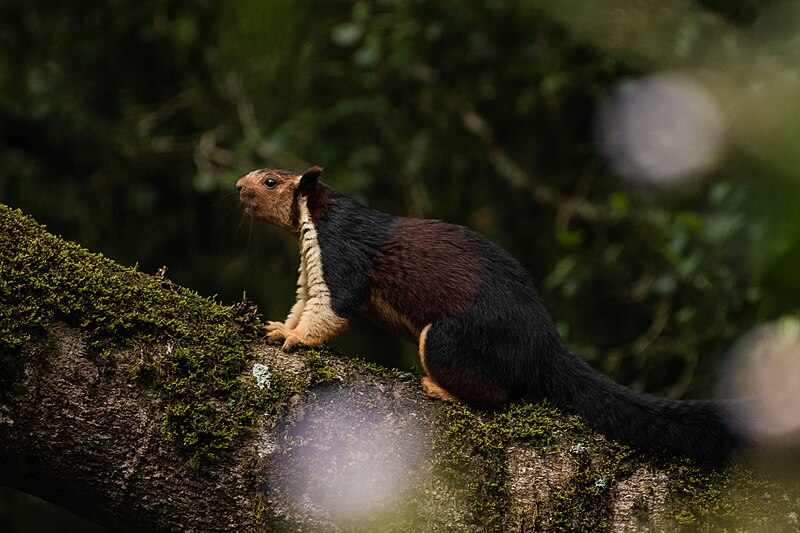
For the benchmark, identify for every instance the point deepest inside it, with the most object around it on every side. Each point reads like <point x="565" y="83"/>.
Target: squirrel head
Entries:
<point x="272" y="194"/>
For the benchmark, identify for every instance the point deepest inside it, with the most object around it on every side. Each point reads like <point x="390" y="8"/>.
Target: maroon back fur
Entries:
<point x="427" y="270"/>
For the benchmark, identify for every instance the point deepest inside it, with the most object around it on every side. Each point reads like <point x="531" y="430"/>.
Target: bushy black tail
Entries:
<point x="701" y="429"/>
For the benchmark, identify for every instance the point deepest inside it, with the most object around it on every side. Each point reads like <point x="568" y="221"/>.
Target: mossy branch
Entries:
<point x="142" y="405"/>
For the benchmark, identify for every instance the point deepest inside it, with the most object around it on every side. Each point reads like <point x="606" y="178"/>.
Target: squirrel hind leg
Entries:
<point x="448" y="374"/>
<point x="433" y="390"/>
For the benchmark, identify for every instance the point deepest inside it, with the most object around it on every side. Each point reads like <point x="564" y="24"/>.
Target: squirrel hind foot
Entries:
<point x="433" y="390"/>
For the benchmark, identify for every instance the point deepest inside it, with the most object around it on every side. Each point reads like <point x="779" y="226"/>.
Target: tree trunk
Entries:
<point x="142" y="406"/>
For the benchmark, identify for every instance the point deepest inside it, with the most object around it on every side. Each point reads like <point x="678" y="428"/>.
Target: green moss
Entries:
<point x="471" y="453"/>
<point x="360" y="365"/>
<point x="736" y="499"/>
<point x="204" y="345"/>
<point x="259" y="509"/>
<point x="318" y="365"/>
<point x="585" y="503"/>
<point x="468" y="455"/>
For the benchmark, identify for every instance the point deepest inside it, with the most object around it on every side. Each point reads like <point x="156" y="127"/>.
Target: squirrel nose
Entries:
<point x="240" y="184"/>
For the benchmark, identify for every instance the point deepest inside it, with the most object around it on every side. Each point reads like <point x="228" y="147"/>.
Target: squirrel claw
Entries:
<point x="290" y="341"/>
<point x="277" y="331"/>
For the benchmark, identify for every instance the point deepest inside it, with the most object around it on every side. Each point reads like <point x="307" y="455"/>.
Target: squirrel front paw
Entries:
<point x="277" y="331"/>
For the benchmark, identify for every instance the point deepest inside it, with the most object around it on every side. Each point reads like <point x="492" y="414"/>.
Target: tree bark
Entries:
<point x="99" y="414"/>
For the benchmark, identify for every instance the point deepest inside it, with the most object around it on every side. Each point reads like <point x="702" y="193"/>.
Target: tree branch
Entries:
<point x="141" y="405"/>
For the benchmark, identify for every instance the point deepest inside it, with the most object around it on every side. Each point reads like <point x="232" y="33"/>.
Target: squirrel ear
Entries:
<point x="308" y="180"/>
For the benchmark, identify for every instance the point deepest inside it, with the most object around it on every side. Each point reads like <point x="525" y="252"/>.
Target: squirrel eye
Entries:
<point x="270" y="183"/>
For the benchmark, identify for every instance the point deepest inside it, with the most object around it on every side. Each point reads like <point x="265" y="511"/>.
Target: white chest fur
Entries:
<point x="312" y="316"/>
<point x="311" y="255"/>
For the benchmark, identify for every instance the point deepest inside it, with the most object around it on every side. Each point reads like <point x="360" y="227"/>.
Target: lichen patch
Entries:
<point x="262" y="374"/>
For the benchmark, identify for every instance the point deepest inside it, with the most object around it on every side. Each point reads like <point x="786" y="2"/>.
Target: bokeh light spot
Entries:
<point x="663" y="128"/>
<point x="352" y="457"/>
<point x="765" y="373"/>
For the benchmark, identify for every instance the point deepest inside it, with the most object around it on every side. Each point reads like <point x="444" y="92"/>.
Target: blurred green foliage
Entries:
<point x="124" y="125"/>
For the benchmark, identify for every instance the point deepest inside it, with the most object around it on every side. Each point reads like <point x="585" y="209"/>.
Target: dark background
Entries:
<point x="124" y="126"/>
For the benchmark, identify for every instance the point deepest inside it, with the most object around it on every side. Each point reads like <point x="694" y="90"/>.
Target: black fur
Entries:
<point x="502" y="343"/>
<point x="309" y="180"/>
<point x="350" y="235"/>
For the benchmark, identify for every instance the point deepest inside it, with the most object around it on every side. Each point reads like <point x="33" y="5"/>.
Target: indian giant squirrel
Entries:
<point x="484" y="336"/>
